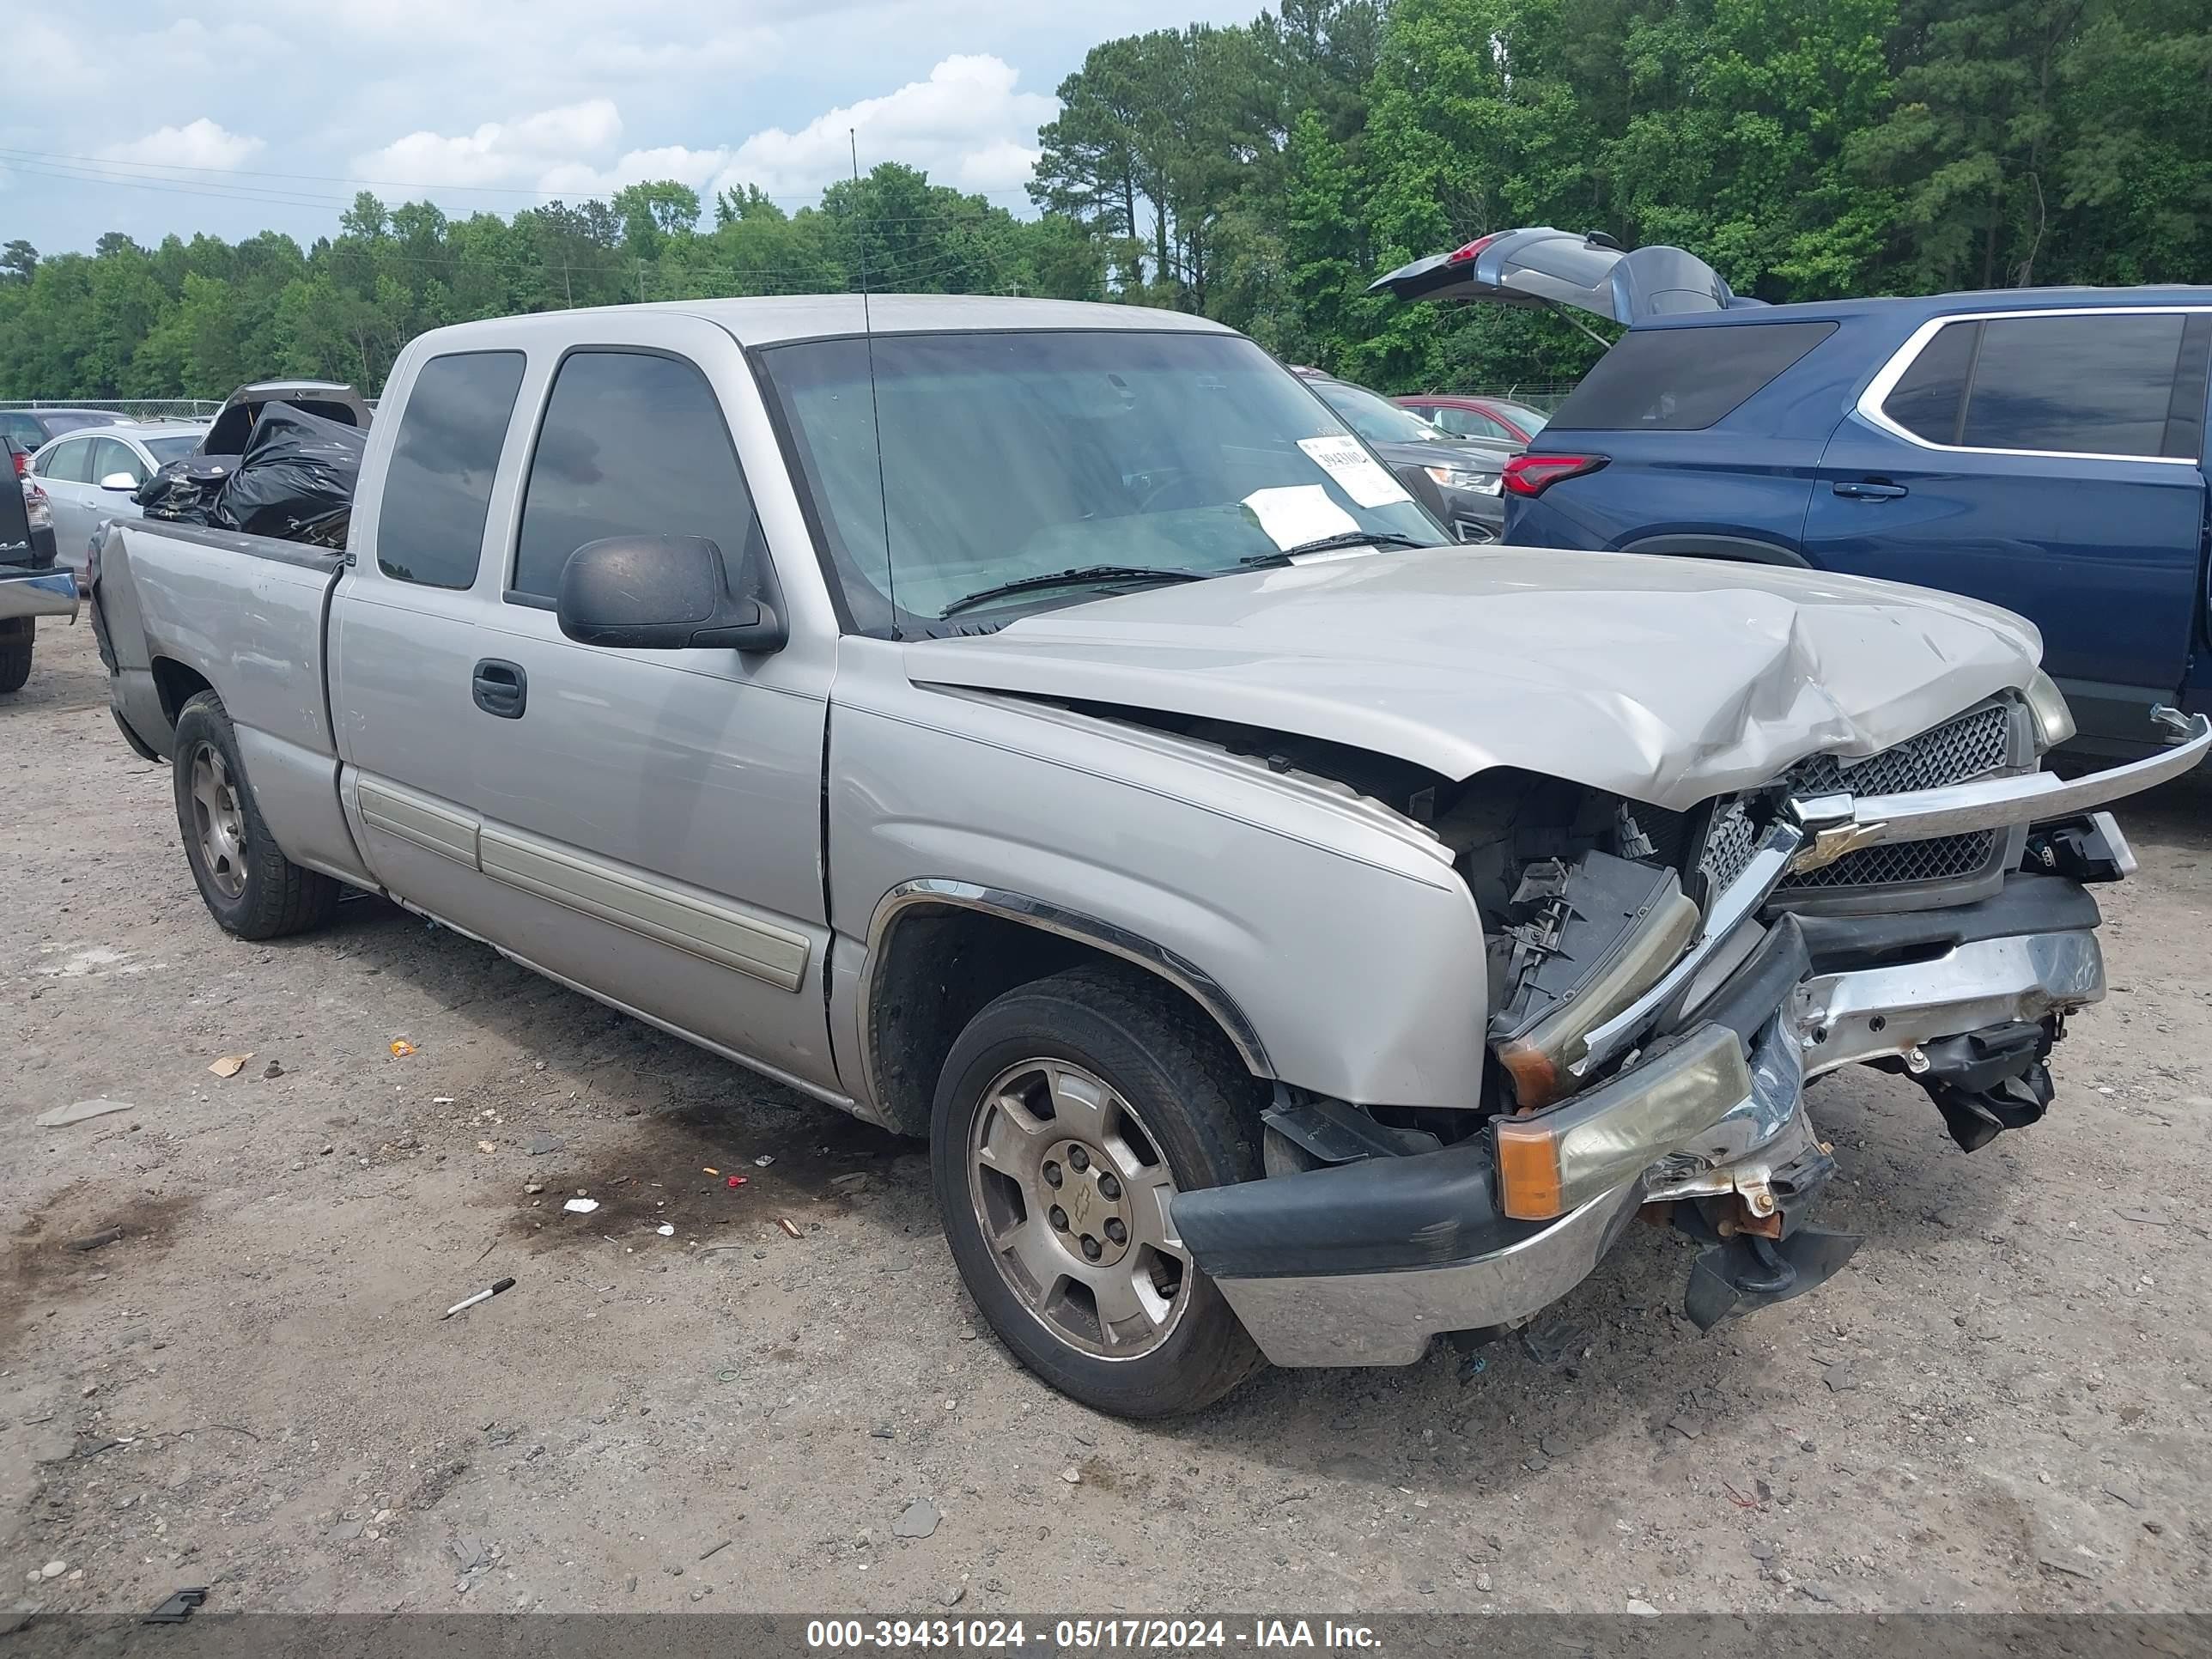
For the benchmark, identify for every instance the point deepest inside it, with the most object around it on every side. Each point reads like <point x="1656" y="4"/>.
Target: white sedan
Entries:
<point x="90" y="474"/>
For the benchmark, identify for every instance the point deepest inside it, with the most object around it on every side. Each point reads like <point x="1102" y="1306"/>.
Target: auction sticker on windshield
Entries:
<point x="1294" y="514"/>
<point x="1355" y="471"/>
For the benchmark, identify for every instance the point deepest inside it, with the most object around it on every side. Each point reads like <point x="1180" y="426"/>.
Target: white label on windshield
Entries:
<point x="1355" y="471"/>
<point x="1294" y="514"/>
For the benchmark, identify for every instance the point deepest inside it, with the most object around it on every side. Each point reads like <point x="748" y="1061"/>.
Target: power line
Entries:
<point x="178" y="187"/>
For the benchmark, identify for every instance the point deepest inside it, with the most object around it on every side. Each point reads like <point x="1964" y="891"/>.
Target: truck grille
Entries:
<point x="1977" y="742"/>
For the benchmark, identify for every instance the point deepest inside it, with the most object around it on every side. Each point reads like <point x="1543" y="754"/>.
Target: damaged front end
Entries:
<point x="1664" y="986"/>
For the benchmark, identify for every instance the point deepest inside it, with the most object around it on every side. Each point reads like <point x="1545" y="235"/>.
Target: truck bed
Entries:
<point x="181" y="610"/>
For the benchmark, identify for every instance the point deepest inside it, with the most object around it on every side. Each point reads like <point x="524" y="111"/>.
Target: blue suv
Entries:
<point x="2040" y="448"/>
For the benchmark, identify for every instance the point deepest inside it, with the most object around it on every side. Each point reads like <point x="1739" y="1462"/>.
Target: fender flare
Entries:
<point x="942" y="892"/>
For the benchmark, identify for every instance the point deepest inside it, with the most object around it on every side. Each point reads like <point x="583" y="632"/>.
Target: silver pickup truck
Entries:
<point x="1046" y="729"/>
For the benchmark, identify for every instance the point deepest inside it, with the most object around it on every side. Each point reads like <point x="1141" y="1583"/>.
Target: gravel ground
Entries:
<point x="2001" y="1406"/>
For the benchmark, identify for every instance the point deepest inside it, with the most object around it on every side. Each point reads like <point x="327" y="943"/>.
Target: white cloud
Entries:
<point x="1003" y="165"/>
<point x="201" y="143"/>
<point x="965" y="124"/>
<point x="498" y="152"/>
<point x="580" y="182"/>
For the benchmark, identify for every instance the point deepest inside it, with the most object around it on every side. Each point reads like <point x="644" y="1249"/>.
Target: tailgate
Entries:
<point x="1541" y="266"/>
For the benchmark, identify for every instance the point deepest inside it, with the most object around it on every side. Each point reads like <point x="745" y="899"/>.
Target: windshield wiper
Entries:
<point x="1346" y="539"/>
<point x="1087" y="573"/>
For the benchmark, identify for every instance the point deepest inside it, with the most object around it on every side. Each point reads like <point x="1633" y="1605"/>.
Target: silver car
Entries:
<point x="90" y="474"/>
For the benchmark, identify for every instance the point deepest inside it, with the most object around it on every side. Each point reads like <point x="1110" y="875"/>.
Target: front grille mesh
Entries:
<point x="1975" y="743"/>
<point x="1729" y="846"/>
<point x="1979" y="741"/>
<point x="1947" y="858"/>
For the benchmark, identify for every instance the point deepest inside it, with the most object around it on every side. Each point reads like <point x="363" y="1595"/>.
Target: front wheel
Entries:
<point x="251" y="888"/>
<point x="1070" y="1112"/>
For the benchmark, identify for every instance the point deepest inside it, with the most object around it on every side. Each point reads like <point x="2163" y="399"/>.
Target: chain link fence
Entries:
<point x="1546" y="395"/>
<point x="134" y="409"/>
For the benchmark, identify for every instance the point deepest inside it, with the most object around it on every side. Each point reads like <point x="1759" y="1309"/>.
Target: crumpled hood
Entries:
<point x="1665" y="680"/>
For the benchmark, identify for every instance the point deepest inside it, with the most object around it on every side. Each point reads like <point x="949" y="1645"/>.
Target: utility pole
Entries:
<point x="640" y="281"/>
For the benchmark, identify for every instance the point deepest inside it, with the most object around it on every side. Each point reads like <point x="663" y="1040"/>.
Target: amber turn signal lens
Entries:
<point x="1552" y="1161"/>
<point x="1527" y="1170"/>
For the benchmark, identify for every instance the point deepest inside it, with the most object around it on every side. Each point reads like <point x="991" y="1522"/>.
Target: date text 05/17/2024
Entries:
<point x="1085" y="1635"/>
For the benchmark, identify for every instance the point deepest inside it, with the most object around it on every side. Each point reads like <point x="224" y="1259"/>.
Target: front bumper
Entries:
<point x="48" y="593"/>
<point x="1365" y="1263"/>
<point x="1474" y="515"/>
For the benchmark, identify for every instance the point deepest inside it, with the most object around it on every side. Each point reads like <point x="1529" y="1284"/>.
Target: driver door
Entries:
<point x="652" y="820"/>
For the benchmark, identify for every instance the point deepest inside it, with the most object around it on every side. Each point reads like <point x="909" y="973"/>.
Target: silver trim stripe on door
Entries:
<point x="416" y="818"/>
<point x="713" y="932"/>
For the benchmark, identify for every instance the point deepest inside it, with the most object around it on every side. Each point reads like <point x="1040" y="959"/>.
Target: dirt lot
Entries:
<point x="2002" y="1404"/>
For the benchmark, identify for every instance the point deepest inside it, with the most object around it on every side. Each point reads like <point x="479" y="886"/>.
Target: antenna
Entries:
<point x="875" y="411"/>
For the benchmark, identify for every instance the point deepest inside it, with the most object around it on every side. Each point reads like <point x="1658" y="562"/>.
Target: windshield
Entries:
<point x="1009" y="457"/>
<point x="1375" y="417"/>
<point x="165" y="450"/>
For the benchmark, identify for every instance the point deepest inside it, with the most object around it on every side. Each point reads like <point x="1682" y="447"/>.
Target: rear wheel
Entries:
<point x="16" y="639"/>
<point x="250" y="887"/>
<point x="1070" y="1112"/>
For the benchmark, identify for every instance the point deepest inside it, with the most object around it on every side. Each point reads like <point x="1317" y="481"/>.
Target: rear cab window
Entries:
<point x="437" y="490"/>
<point x="2123" y="384"/>
<point x="1684" y="379"/>
<point x="633" y="443"/>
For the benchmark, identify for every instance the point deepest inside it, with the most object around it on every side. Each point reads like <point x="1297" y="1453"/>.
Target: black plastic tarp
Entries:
<point x="184" y="491"/>
<point x="295" y="480"/>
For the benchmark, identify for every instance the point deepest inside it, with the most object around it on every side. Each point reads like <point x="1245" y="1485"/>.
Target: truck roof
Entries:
<point x="771" y="319"/>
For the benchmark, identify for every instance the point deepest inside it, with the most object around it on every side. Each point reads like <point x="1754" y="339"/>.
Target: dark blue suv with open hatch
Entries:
<point x="2040" y="448"/>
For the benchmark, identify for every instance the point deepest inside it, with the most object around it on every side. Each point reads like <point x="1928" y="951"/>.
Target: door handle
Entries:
<point x="499" y="688"/>
<point x="1868" y="489"/>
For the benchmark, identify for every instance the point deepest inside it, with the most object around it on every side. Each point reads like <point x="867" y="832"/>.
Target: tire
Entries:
<point x="249" y="886"/>
<point x="15" y="644"/>
<point x="1177" y="1102"/>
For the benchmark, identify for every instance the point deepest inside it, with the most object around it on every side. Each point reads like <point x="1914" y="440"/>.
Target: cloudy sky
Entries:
<point x="153" y="116"/>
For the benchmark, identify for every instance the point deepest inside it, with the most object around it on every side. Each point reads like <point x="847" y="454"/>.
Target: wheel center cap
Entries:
<point x="1085" y="1202"/>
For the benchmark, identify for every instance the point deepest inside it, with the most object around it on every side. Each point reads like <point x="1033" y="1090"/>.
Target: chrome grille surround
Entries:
<point x="1991" y="737"/>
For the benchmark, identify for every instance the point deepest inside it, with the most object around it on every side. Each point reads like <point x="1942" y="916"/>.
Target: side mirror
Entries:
<point x="663" y="593"/>
<point x="118" y="481"/>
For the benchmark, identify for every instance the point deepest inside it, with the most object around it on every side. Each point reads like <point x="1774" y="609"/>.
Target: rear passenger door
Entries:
<point x="651" y="819"/>
<point x="405" y="635"/>
<point x="2046" y="461"/>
